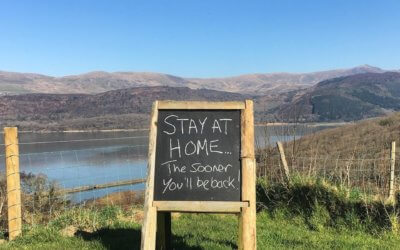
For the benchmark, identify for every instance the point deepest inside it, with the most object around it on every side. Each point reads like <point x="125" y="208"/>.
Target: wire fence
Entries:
<point x="366" y="176"/>
<point x="107" y="171"/>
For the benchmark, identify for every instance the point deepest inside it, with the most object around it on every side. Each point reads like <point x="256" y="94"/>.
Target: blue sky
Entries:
<point x="199" y="38"/>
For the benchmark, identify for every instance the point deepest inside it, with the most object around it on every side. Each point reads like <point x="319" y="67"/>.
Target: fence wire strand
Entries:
<point x="367" y="175"/>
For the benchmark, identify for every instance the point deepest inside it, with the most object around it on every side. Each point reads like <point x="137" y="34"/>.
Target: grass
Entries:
<point x="277" y="232"/>
<point x="203" y="231"/>
<point x="87" y="228"/>
<point x="306" y="214"/>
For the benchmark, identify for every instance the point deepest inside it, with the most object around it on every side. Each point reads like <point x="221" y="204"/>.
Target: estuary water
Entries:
<point x="75" y="159"/>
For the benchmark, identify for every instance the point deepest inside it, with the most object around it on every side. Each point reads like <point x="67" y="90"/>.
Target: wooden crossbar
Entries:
<point x="201" y="206"/>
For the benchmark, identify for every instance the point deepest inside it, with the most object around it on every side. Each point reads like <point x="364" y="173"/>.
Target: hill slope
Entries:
<point x="348" y="98"/>
<point x="362" y="143"/>
<point x="98" y="82"/>
<point x="124" y="108"/>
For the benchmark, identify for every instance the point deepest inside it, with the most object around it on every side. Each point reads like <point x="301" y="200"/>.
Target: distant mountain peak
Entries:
<point x="367" y="66"/>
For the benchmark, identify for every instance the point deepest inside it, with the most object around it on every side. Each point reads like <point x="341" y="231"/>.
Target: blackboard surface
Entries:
<point x="198" y="155"/>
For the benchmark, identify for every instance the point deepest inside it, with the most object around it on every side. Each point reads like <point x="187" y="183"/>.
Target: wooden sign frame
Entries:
<point x="156" y="229"/>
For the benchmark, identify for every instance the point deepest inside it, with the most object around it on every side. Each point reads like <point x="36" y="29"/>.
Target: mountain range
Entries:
<point x="98" y="82"/>
<point x="74" y="102"/>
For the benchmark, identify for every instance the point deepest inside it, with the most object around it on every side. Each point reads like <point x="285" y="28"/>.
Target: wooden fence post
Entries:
<point x="284" y="162"/>
<point x="13" y="182"/>
<point x="248" y="215"/>
<point x="392" y="165"/>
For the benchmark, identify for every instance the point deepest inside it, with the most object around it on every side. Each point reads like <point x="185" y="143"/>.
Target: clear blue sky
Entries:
<point x="199" y="38"/>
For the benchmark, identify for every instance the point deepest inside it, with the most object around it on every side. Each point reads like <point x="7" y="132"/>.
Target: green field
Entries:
<point x="304" y="215"/>
<point x="208" y="232"/>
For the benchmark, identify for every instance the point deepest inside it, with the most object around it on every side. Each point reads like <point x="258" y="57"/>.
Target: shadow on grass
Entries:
<point x="179" y="242"/>
<point x="114" y="238"/>
<point x="123" y="238"/>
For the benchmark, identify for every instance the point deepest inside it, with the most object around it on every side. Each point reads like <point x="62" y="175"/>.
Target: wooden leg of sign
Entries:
<point x="149" y="226"/>
<point x="149" y="229"/>
<point x="247" y="219"/>
<point x="163" y="231"/>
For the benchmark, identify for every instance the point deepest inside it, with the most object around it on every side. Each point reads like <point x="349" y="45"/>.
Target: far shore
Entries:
<point x="316" y="124"/>
<point x="81" y="131"/>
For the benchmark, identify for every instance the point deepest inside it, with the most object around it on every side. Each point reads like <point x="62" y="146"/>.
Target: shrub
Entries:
<point x="386" y="122"/>
<point x="40" y="199"/>
<point x="40" y="195"/>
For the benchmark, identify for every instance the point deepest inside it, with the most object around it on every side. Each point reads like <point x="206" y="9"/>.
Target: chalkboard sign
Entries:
<point x="198" y="155"/>
<point x="201" y="159"/>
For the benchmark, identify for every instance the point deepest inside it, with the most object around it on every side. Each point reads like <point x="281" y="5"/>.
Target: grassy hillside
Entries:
<point x="356" y="155"/>
<point x="370" y="138"/>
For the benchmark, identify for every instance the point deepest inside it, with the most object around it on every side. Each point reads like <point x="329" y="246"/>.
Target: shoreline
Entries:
<point x="312" y="124"/>
<point x="317" y="124"/>
<point x="82" y="131"/>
